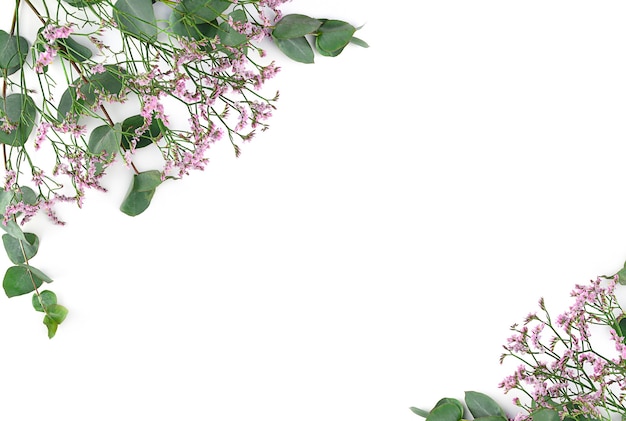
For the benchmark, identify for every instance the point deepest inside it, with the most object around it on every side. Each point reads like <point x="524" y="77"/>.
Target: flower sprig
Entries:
<point x="562" y="368"/>
<point x="61" y="123"/>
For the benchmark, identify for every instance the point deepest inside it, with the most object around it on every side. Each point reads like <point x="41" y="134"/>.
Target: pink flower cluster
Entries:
<point x="565" y="371"/>
<point x="51" y="33"/>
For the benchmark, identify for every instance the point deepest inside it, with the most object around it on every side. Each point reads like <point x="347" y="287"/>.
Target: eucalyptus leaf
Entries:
<point x="334" y="35"/>
<point x="13" y="51"/>
<point x="44" y="299"/>
<point x="136" y="17"/>
<point x="295" y="26"/>
<point x="146" y="138"/>
<point x="26" y="195"/>
<point x="445" y="412"/>
<point x="5" y="199"/>
<point x="545" y="414"/>
<point x="185" y="26"/>
<point x="36" y="272"/>
<point x="16" y="249"/>
<point x="20" y="110"/>
<point x="57" y="312"/>
<point x="420" y="412"/>
<point x="13" y="229"/>
<point x="453" y="401"/>
<point x="140" y="193"/>
<point x="105" y="139"/>
<point x="297" y="49"/>
<point x="324" y="52"/>
<point x="19" y="280"/>
<point x="82" y="3"/>
<point x="481" y="405"/>
<point x="359" y="42"/>
<point x="202" y="11"/>
<point x="74" y="50"/>
<point x="228" y="35"/>
<point x="51" y="325"/>
<point x="110" y="82"/>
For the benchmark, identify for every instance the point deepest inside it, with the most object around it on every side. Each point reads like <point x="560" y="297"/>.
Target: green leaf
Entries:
<point x="334" y="35"/>
<point x="74" y="50"/>
<point x="420" y="412"/>
<point x="110" y="82"/>
<point x="202" y="11"/>
<point x="36" y="272"/>
<point x="20" y="110"/>
<point x="13" y="247"/>
<point x="148" y="137"/>
<point x="445" y="412"/>
<point x="146" y="181"/>
<point x="324" y="52"/>
<point x="136" y="17"/>
<point x="545" y="414"/>
<point x="82" y="3"/>
<point x="295" y="26"/>
<point x="491" y="418"/>
<point x="13" y="229"/>
<point x="105" y="139"/>
<point x="359" y="42"/>
<point x="481" y="405"/>
<point x="453" y="401"/>
<point x="19" y="280"/>
<point x="13" y="51"/>
<point x="57" y="312"/>
<point x="229" y="36"/>
<point x="297" y="49"/>
<point x="621" y="275"/>
<point x="6" y="197"/>
<point x="51" y="325"/>
<point x="140" y="193"/>
<point x="183" y="25"/>
<point x="27" y="195"/>
<point x="44" y="299"/>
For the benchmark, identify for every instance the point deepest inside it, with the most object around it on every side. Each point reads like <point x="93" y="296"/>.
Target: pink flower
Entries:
<point x="51" y="32"/>
<point x="45" y="58"/>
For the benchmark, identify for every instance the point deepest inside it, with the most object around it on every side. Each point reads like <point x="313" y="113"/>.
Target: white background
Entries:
<point x="367" y="253"/>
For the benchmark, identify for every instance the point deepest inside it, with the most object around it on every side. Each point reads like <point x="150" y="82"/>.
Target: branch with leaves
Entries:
<point x="203" y="63"/>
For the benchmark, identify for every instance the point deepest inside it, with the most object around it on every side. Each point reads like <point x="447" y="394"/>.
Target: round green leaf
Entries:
<point x="334" y="35"/>
<point x="136" y="17"/>
<point x="229" y="36"/>
<point x="18" y="281"/>
<point x="453" y="401"/>
<point x="44" y="299"/>
<point x="57" y="312"/>
<point x="20" y="110"/>
<point x="297" y="49"/>
<point x="445" y="412"/>
<point x="148" y="137"/>
<point x="13" y="51"/>
<point x="104" y="139"/>
<point x="16" y="249"/>
<point x="324" y="52"/>
<point x="110" y="82"/>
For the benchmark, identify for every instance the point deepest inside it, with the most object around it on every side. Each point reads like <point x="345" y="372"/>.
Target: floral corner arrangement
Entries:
<point x="571" y="367"/>
<point x="66" y="64"/>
